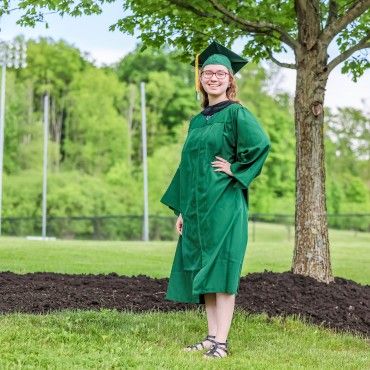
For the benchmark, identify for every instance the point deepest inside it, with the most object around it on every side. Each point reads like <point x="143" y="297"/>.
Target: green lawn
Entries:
<point x="112" y="340"/>
<point x="120" y="340"/>
<point x="270" y="250"/>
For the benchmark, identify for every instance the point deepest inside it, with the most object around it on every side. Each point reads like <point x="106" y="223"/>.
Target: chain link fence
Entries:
<point x="130" y="227"/>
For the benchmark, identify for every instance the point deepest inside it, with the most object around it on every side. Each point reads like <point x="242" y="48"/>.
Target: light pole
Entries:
<point x="45" y="163"/>
<point x="145" y="166"/>
<point x="13" y="55"/>
<point x="44" y="173"/>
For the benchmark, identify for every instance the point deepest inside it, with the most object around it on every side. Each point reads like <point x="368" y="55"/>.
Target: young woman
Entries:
<point x="224" y="151"/>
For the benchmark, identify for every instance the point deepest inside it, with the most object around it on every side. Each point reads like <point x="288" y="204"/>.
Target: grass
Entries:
<point x="108" y="339"/>
<point x="122" y="340"/>
<point x="270" y="249"/>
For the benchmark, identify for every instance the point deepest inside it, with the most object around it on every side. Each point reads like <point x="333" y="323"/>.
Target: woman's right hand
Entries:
<point x="179" y="224"/>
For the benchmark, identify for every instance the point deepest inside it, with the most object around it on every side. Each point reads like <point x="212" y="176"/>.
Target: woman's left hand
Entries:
<point x="222" y="165"/>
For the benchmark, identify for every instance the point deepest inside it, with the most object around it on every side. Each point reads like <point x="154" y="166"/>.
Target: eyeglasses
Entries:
<point x="209" y="74"/>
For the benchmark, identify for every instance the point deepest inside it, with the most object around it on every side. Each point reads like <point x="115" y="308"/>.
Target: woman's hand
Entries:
<point x="179" y="224"/>
<point x="222" y="165"/>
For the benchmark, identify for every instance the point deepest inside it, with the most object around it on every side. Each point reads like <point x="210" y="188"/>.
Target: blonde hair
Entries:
<point x="231" y="91"/>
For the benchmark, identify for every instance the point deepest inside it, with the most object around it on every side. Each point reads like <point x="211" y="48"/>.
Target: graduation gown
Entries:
<point x="214" y="205"/>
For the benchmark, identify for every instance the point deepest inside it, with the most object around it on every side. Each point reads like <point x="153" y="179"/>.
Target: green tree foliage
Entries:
<point x="348" y="160"/>
<point x="169" y="95"/>
<point x="18" y="131"/>
<point x="51" y="67"/>
<point x="161" y="168"/>
<point x="136" y="66"/>
<point x="274" y="112"/>
<point x="305" y="27"/>
<point x="349" y="131"/>
<point x="272" y="26"/>
<point x="96" y="134"/>
<point x="99" y="177"/>
<point x="33" y="11"/>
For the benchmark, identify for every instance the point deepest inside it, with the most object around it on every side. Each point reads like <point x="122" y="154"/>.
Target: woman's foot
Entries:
<point x="207" y="343"/>
<point x="218" y="350"/>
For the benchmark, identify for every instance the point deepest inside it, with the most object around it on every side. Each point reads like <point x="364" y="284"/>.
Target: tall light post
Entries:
<point x="44" y="174"/>
<point x="12" y="55"/>
<point x="45" y="163"/>
<point x="145" y="166"/>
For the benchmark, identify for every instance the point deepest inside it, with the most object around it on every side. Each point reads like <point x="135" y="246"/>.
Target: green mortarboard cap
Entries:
<point x="216" y="53"/>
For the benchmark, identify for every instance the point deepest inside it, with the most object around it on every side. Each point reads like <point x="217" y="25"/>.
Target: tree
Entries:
<point x="169" y="96"/>
<point x="95" y="133"/>
<point x="307" y="27"/>
<point x="349" y="130"/>
<point x="51" y="67"/>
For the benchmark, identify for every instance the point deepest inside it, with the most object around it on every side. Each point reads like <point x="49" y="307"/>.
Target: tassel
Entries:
<point x="197" y="84"/>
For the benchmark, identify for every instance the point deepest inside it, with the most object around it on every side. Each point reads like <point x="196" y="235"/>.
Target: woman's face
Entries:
<point x="215" y="83"/>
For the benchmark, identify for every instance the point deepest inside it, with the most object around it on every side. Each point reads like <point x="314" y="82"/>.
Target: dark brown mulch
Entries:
<point x="342" y="305"/>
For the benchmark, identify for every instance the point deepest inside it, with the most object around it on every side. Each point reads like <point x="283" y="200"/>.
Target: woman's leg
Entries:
<point x="210" y="306"/>
<point x="225" y="304"/>
<point x="210" y="302"/>
<point x="224" y="313"/>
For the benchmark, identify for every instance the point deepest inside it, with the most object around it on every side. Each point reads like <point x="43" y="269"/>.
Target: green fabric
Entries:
<point x="235" y="61"/>
<point x="218" y="59"/>
<point x="214" y="206"/>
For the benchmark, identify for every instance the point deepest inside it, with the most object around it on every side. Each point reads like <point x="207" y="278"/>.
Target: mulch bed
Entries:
<point x="342" y="305"/>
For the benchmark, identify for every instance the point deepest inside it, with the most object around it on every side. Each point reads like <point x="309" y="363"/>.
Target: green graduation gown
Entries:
<point x="214" y="206"/>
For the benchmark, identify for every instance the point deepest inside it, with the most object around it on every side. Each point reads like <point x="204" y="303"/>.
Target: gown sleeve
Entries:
<point x="171" y="197"/>
<point x="252" y="148"/>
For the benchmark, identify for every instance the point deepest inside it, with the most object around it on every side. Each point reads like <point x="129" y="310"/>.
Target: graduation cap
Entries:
<point x="216" y="53"/>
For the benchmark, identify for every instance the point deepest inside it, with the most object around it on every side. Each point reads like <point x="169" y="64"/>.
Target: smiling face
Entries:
<point x="217" y="84"/>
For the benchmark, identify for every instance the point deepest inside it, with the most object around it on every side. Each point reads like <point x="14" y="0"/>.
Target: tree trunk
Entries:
<point x="311" y="253"/>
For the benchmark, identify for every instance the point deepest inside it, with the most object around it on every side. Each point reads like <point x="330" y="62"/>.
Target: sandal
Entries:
<point x="200" y="345"/>
<point x="214" y="352"/>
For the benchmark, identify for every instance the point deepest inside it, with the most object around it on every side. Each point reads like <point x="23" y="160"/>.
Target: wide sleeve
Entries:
<point x="171" y="197"/>
<point x="252" y="148"/>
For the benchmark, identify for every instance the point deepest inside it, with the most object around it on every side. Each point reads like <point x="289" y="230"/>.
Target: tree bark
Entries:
<point x="311" y="253"/>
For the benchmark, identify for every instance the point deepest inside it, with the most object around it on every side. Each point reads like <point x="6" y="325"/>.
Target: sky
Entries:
<point x="91" y="34"/>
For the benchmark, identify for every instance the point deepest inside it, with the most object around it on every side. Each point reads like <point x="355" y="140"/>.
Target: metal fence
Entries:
<point x="130" y="227"/>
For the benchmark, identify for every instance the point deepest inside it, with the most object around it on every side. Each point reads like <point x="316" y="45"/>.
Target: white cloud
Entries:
<point x="101" y="56"/>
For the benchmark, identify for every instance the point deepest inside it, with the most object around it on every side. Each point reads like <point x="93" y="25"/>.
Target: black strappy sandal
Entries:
<point x="214" y="352"/>
<point x="200" y="346"/>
